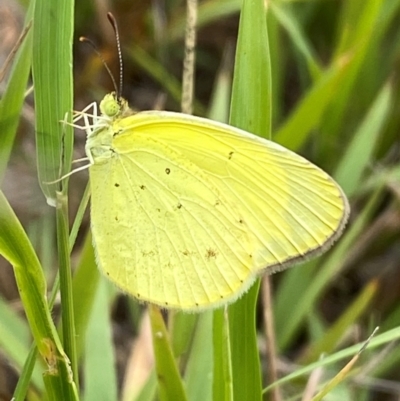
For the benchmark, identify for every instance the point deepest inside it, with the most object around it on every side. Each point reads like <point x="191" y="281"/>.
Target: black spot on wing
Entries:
<point x="211" y="254"/>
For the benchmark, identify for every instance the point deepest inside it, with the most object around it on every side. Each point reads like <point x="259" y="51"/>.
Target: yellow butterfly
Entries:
<point x="187" y="212"/>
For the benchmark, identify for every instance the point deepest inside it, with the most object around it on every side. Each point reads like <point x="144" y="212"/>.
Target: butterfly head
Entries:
<point x="113" y="106"/>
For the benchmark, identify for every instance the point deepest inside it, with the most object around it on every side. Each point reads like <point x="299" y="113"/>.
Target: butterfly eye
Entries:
<point x="110" y="106"/>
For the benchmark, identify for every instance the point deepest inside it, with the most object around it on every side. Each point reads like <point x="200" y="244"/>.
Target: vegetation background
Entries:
<point x="334" y="90"/>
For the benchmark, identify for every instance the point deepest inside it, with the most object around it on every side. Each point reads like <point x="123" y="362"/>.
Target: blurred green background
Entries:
<point x="335" y="100"/>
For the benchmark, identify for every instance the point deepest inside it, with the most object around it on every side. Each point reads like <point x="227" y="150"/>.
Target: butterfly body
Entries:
<point x="186" y="212"/>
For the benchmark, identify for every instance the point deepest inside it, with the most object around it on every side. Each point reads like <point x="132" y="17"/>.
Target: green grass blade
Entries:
<point x="311" y="108"/>
<point x="28" y="376"/>
<point x="52" y="77"/>
<point x="14" y="334"/>
<point x="222" y="375"/>
<point x="182" y="327"/>
<point x="160" y="74"/>
<point x="251" y="110"/>
<point x="361" y="42"/>
<point x="85" y="283"/>
<point x="198" y="374"/>
<point x="327" y="343"/>
<point x="16" y="248"/>
<point x="170" y="385"/>
<point x="379" y="340"/>
<point x="251" y="107"/>
<point x="99" y="367"/>
<point x="13" y="96"/>
<point x="359" y="153"/>
<point x="284" y="14"/>
<point x="219" y="104"/>
<point x="68" y="323"/>
<point x="14" y="342"/>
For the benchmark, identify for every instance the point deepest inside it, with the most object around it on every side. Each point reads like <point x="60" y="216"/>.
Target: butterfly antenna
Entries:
<point x="87" y="40"/>
<point x="114" y="24"/>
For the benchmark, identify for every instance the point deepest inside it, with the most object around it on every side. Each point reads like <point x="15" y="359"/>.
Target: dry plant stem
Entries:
<point x="159" y="16"/>
<point x="342" y="375"/>
<point x="345" y="372"/>
<point x="190" y="57"/>
<point x="312" y="384"/>
<point x="377" y="359"/>
<point x="14" y="50"/>
<point x="270" y="337"/>
<point x="140" y="362"/>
